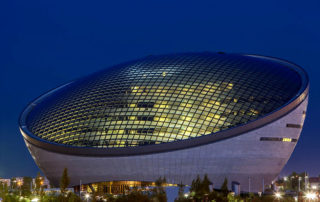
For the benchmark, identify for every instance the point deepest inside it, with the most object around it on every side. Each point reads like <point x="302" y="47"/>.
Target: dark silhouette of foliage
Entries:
<point x="200" y="189"/>
<point x="195" y="187"/>
<point x="64" y="181"/>
<point x="38" y="184"/>
<point x="134" y="196"/>
<point x="159" y="193"/>
<point x="181" y="190"/>
<point x="25" y="187"/>
<point x="70" y="197"/>
<point x="181" y="197"/>
<point x="224" y="187"/>
<point x="292" y="182"/>
<point x="205" y="185"/>
<point x="13" y="184"/>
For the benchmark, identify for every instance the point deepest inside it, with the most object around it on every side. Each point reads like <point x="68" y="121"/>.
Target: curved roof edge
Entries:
<point x="170" y="146"/>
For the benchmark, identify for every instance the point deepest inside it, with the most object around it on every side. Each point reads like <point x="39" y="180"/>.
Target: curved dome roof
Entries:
<point x="167" y="98"/>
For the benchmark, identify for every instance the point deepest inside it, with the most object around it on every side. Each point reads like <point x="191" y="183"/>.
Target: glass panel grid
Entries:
<point x="162" y="99"/>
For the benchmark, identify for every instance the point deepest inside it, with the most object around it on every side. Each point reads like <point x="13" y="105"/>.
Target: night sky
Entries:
<point x="44" y="44"/>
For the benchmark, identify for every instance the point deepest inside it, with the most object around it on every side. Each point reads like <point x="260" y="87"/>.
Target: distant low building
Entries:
<point x="18" y="181"/>
<point x="278" y="186"/>
<point x="56" y="190"/>
<point x="314" y="183"/>
<point x="5" y="181"/>
<point x="45" y="183"/>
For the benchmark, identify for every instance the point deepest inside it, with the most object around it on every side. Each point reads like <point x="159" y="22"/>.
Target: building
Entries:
<point x="5" y="181"/>
<point x="13" y="182"/>
<point x="175" y="116"/>
<point x="44" y="182"/>
<point x="314" y="183"/>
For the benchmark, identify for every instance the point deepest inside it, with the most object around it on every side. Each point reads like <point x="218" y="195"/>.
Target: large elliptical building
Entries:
<point x="175" y="116"/>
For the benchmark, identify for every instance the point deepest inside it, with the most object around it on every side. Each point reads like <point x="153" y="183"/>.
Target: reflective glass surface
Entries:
<point x="161" y="99"/>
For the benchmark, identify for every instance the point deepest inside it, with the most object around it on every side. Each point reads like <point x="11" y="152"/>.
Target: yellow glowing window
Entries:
<point x="189" y="129"/>
<point x="285" y="139"/>
<point x="230" y="85"/>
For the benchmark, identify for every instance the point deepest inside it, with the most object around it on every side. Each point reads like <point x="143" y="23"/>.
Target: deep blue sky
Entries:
<point x="44" y="44"/>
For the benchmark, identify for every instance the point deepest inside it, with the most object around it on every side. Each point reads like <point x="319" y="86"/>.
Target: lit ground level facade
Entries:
<point x="114" y="187"/>
<point x="253" y="159"/>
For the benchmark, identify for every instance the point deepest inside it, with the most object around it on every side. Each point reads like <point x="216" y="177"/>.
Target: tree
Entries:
<point x="195" y="186"/>
<point x="159" y="192"/>
<point x="200" y="188"/>
<point x="64" y="181"/>
<point x="133" y="196"/>
<point x="26" y="186"/>
<point x="224" y="187"/>
<point x="52" y="185"/>
<point x="205" y="185"/>
<point x="217" y="196"/>
<point x="38" y="183"/>
<point x="180" y="193"/>
<point x="3" y="189"/>
<point x="232" y="198"/>
<point x="13" y="183"/>
<point x="181" y="190"/>
<point x="293" y="181"/>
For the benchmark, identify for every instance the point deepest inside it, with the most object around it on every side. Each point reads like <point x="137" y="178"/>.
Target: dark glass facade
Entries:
<point x="160" y="99"/>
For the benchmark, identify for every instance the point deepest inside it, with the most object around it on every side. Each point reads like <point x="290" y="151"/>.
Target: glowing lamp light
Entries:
<point x="19" y="183"/>
<point x="277" y="195"/>
<point x="311" y="195"/>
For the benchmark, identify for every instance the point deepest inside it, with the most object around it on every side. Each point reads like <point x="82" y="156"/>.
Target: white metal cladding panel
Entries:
<point x="244" y="158"/>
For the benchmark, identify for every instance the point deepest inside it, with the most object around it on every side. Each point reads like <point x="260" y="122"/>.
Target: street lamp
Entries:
<point x="35" y="200"/>
<point x="299" y="182"/>
<point x="278" y="195"/>
<point x="87" y="197"/>
<point x="311" y="196"/>
<point x="285" y="179"/>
